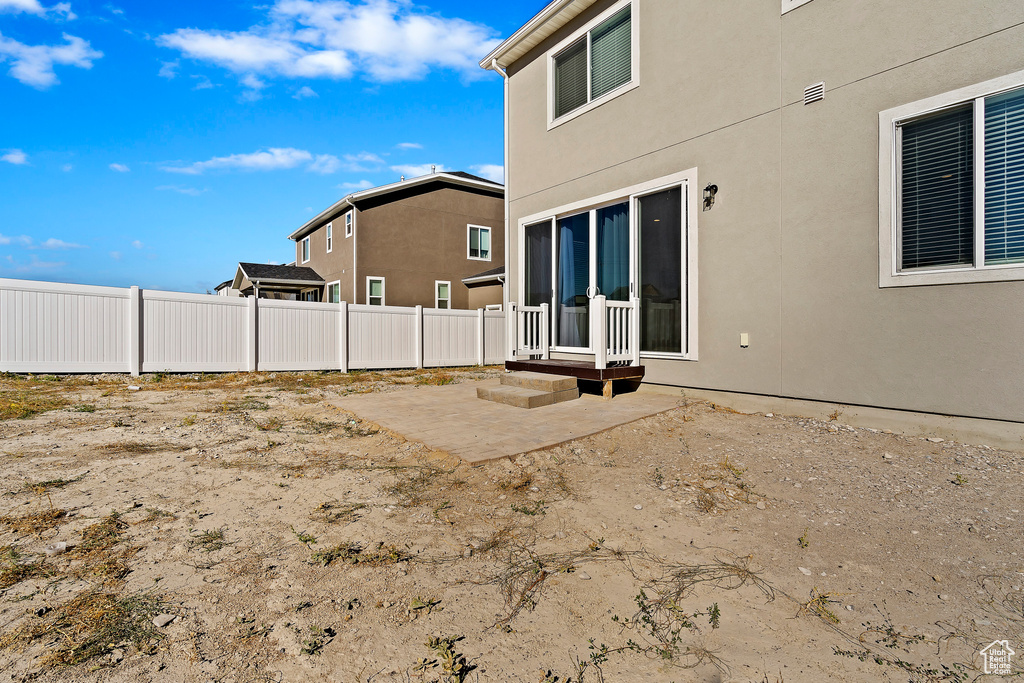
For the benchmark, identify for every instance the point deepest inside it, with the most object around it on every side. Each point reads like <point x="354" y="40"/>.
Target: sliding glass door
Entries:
<point x="662" y="302"/>
<point x="572" y="309"/>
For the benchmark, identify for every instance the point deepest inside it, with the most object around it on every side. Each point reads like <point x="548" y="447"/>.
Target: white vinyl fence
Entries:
<point x="57" y="328"/>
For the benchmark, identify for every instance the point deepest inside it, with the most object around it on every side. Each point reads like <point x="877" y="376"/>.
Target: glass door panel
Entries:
<point x="613" y="252"/>
<point x="572" y="319"/>
<point x="538" y="264"/>
<point x="661" y="271"/>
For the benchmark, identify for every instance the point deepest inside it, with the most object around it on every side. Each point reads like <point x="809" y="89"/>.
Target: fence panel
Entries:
<point x="194" y="332"/>
<point x="51" y="327"/>
<point x="381" y="337"/>
<point x="297" y="335"/>
<point x="494" y="337"/>
<point x="450" y="337"/>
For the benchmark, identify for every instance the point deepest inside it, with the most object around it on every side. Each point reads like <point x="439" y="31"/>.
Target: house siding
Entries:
<point x="334" y="266"/>
<point x="789" y="252"/>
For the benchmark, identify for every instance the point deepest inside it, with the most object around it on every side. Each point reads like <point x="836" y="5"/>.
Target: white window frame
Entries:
<point x="383" y="290"/>
<point x="889" y="120"/>
<point x="490" y="249"/>
<point x="330" y="237"/>
<point x="632" y="83"/>
<point x="437" y="296"/>
<point x="349" y="223"/>
<point x="788" y="5"/>
<point x="305" y="253"/>
<point x="336" y="283"/>
<point x="686" y="179"/>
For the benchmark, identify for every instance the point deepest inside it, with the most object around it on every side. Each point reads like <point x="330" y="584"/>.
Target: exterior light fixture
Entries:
<point x="709" y="196"/>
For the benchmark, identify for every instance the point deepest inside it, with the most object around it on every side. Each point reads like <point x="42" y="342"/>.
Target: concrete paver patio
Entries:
<point x="453" y="419"/>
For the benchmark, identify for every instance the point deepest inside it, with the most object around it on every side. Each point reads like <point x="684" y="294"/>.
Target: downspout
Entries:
<point x="508" y="213"/>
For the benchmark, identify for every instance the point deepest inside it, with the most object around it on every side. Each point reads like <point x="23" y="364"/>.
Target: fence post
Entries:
<point x="545" y="332"/>
<point x="419" y="337"/>
<point x="253" y="329"/>
<point x="634" y="331"/>
<point x="135" y="330"/>
<point x="481" y="348"/>
<point x="599" y="327"/>
<point x="512" y="334"/>
<point x="343" y="336"/>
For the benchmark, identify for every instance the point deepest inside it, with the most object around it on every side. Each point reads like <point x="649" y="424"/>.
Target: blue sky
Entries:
<point x="158" y="144"/>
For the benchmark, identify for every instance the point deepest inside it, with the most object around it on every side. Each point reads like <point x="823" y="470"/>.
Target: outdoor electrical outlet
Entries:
<point x="744" y="340"/>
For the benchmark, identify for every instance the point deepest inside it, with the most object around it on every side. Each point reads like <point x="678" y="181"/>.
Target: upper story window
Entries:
<point x="305" y="249"/>
<point x="348" y="224"/>
<point x="594" y="65"/>
<point x="479" y="243"/>
<point x="330" y="237"/>
<point x="952" y="186"/>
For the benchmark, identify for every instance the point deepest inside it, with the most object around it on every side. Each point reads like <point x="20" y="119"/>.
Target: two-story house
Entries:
<point x="409" y="243"/>
<point x="812" y="199"/>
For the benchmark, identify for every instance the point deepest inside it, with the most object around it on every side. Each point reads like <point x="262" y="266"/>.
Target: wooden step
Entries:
<point x="525" y="398"/>
<point x="538" y="381"/>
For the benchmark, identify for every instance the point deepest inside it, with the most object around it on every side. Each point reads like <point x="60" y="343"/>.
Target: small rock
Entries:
<point x="132" y="387"/>
<point x="638" y="507"/>
<point x="534" y="489"/>
<point x="116" y="655"/>
<point x="56" y="549"/>
<point x="849" y="607"/>
<point x="583" y="576"/>
<point x="559" y="534"/>
<point x="887" y="456"/>
<point x="805" y="571"/>
<point x="162" y="620"/>
<point x="769" y="414"/>
<point x="663" y="487"/>
<point x="937" y="579"/>
<point x="798" y="485"/>
<point x="761" y="505"/>
<point x="935" y="439"/>
<point x="944" y="597"/>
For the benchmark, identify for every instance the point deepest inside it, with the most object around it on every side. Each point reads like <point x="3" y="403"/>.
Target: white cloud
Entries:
<point x="190" y="191"/>
<point x="33" y="64"/>
<point x="203" y="84"/>
<point x="33" y="264"/>
<point x="116" y="255"/>
<point x="325" y="164"/>
<point x="416" y="170"/>
<point x="23" y="240"/>
<point x="490" y="171"/>
<point x="114" y="10"/>
<point x="169" y="70"/>
<point x="120" y="168"/>
<point x="273" y="159"/>
<point x="16" y="157"/>
<point x="67" y="168"/>
<point x="409" y="145"/>
<point x="137" y="244"/>
<point x="34" y="7"/>
<point x="354" y="187"/>
<point x="386" y="40"/>
<point x="364" y="161"/>
<point x="305" y="92"/>
<point x="54" y="243"/>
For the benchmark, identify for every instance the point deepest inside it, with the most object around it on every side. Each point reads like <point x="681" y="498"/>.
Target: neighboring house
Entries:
<point x="809" y="199"/>
<point x="409" y="243"/>
<point x="225" y="289"/>
<point x="486" y="288"/>
<point x="268" y="281"/>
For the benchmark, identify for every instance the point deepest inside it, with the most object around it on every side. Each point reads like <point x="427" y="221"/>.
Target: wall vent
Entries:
<point x="814" y="93"/>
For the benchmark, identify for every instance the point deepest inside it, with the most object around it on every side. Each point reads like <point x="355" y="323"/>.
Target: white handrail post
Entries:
<point x="599" y="325"/>
<point x="419" y="337"/>
<point x="545" y="332"/>
<point x="254" y="330"/>
<point x="634" y="331"/>
<point x="512" y="334"/>
<point x="343" y="336"/>
<point x="480" y="347"/>
<point x="134" y="331"/>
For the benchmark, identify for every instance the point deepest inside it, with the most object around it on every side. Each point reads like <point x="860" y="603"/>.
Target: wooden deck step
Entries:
<point x="538" y="381"/>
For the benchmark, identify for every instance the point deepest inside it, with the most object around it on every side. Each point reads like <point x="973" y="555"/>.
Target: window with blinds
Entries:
<point x="937" y="179"/>
<point x="594" y="65"/>
<point x="943" y="193"/>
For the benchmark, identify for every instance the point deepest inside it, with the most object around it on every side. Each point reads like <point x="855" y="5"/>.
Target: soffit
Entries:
<point x="550" y="19"/>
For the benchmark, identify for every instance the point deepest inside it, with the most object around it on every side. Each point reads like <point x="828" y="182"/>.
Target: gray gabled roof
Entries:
<point x="492" y="275"/>
<point x="462" y="178"/>
<point x="268" y="274"/>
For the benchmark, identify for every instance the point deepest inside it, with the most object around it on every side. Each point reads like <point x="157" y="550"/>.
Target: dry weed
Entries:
<point x="35" y="522"/>
<point x="19" y="405"/>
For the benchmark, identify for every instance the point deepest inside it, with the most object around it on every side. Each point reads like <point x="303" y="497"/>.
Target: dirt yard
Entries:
<point x="241" y="528"/>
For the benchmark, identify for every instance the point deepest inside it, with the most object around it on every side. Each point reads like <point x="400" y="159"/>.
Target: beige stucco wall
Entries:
<point x="336" y="265"/>
<point x="484" y="296"/>
<point x="789" y="253"/>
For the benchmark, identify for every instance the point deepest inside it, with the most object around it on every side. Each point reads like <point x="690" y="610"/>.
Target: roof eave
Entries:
<point x="533" y="32"/>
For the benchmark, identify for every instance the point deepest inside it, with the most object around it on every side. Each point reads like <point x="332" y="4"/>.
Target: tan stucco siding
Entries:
<point x="333" y="266"/>
<point x="789" y="254"/>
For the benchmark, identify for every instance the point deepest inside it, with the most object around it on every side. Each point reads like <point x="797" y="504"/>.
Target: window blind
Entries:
<point x="1004" y="178"/>
<point x="571" y="78"/>
<point x="937" y="199"/>
<point x="611" y="53"/>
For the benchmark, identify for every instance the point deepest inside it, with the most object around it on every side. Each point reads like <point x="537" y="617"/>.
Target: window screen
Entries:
<point x="611" y="54"/>
<point x="571" y="78"/>
<point x="937" y="190"/>
<point x="1004" y="178"/>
